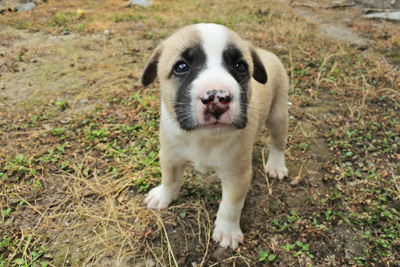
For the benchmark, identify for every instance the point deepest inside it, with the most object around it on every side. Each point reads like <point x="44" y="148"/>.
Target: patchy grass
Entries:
<point x="22" y="252"/>
<point x="80" y="145"/>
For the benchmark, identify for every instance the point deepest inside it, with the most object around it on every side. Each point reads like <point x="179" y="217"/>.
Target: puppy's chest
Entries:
<point x="205" y="156"/>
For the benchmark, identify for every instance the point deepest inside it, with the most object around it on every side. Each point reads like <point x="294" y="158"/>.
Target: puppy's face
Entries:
<point x="205" y="72"/>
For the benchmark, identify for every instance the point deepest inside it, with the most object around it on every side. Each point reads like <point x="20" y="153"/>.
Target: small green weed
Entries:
<point x="6" y="212"/>
<point x="62" y="105"/>
<point x="22" y="252"/>
<point x="299" y="248"/>
<point x="265" y="256"/>
<point x="19" y="167"/>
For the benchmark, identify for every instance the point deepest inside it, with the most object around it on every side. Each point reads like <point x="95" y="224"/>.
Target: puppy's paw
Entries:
<point x="277" y="171"/>
<point x="160" y="197"/>
<point x="227" y="234"/>
<point x="275" y="167"/>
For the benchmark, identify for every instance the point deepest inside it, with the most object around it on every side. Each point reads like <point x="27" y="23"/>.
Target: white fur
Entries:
<point x="227" y="233"/>
<point x="215" y="76"/>
<point x="227" y="230"/>
<point x="275" y="166"/>
<point x="188" y="146"/>
<point x="161" y="196"/>
<point x="214" y="38"/>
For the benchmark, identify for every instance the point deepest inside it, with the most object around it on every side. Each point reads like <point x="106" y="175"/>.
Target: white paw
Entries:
<point x="227" y="234"/>
<point x="275" y="167"/>
<point x="160" y="197"/>
<point x="276" y="171"/>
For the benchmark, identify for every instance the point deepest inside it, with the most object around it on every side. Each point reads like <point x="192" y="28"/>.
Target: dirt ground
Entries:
<point x="78" y="139"/>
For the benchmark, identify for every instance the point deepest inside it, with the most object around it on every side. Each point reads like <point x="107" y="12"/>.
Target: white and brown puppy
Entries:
<point x="216" y="93"/>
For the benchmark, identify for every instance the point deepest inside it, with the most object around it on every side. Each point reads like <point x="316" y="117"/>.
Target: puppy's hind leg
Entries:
<point x="277" y="124"/>
<point x="161" y="196"/>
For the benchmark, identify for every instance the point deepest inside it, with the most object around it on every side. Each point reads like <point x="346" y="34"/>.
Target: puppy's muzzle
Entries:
<point x="216" y="103"/>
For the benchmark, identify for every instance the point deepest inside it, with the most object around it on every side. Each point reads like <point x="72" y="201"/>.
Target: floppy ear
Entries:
<point x="259" y="72"/>
<point x="150" y="71"/>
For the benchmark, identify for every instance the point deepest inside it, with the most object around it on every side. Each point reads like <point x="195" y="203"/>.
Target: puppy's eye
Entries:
<point x="241" y="67"/>
<point x="181" y="67"/>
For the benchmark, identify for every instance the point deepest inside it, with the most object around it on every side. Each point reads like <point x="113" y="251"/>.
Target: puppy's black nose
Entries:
<point x="217" y="97"/>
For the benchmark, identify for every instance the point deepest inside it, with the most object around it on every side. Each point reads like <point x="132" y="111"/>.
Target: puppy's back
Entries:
<point x="275" y="91"/>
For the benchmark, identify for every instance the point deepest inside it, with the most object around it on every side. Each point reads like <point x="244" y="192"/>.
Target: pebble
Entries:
<point x="296" y="180"/>
<point x="139" y="2"/>
<point x="48" y="127"/>
<point x="66" y="120"/>
<point x="83" y="101"/>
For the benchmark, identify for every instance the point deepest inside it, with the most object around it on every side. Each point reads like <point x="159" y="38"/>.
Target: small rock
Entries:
<point x="66" y="120"/>
<point x="48" y="127"/>
<point x="384" y="15"/>
<point x="296" y="180"/>
<point x="107" y="32"/>
<point x="83" y="101"/>
<point x="348" y="22"/>
<point x="66" y="32"/>
<point x="278" y="47"/>
<point x="26" y="7"/>
<point x="139" y="3"/>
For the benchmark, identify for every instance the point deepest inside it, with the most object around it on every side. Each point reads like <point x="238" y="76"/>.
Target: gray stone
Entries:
<point x="140" y="2"/>
<point x="391" y="4"/>
<point x="384" y="15"/>
<point x="26" y="7"/>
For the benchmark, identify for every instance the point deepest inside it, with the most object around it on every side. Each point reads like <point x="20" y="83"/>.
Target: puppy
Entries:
<point x="217" y="91"/>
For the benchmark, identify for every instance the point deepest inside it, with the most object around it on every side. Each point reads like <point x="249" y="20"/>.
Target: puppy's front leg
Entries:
<point x="161" y="196"/>
<point x="227" y="225"/>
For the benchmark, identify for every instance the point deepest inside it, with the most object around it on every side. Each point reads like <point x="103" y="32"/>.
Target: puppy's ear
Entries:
<point x="259" y="72"/>
<point x="150" y="71"/>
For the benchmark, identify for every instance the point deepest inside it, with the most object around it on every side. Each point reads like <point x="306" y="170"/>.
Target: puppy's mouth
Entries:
<point x="215" y="125"/>
<point x="212" y="113"/>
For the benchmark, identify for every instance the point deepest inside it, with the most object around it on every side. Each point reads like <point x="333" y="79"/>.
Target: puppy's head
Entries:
<point x="205" y="72"/>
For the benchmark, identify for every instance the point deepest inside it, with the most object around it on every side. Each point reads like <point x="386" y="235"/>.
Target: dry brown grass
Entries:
<point x="80" y="144"/>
